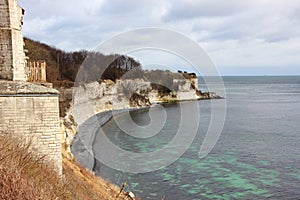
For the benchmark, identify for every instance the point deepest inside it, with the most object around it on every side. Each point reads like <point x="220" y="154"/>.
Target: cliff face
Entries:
<point x="80" y="103"/>
<point x="95" y="97"/>
<point x="87" y="100"/>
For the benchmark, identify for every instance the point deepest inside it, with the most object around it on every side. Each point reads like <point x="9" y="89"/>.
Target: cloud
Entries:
<point x="234" y="32"/>
<point x="263" y="21"/>
<point x="256" y="53"/>
<point x="189" y="9"/>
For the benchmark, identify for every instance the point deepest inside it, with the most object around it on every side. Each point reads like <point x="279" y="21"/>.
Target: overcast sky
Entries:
<point x="248" y="37"/>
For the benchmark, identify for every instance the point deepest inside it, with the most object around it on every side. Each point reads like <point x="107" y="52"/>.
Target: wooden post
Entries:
<point x="34" y="72"/>
<point x="43" y="71"/>
<point x="37" y="71"/>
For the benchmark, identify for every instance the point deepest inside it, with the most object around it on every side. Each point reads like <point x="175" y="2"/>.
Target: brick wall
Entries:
<point x="36" y="117"/>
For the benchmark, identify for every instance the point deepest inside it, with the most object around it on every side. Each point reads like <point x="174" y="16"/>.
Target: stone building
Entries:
<point x="12" y="56"/>
<point x="29" y="110"/>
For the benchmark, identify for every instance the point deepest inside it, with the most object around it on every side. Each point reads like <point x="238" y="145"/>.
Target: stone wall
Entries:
<point x="12" y="56"/>
<point x="31" y="112"/>
<point x="6" y="60"/>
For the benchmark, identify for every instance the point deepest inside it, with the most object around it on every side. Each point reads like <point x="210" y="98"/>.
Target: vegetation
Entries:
<point x="62" y="66"/>
<point x="97" y="66"/>
<point x="24" y="175"/>
<point x="162" y="81"/>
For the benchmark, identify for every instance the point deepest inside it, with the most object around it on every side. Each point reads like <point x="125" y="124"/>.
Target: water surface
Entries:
<point x="256" y="157"/>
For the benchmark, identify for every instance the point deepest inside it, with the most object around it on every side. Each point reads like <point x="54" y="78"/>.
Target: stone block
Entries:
<point x="21" y="116"/>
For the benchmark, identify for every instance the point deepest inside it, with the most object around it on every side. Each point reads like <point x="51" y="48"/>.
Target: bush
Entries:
<point x="24" y="175"/>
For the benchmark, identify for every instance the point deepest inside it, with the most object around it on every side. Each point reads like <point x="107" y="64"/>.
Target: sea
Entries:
<point x="256" y="156"/>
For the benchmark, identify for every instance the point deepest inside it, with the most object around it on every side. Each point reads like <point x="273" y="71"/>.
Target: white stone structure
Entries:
<point x="28" y="111"/>
<point x="31" y="112"/>
<point x="12" y="56"/>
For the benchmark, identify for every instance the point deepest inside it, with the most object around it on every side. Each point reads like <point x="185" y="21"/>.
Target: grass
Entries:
<point x="25" y="175"/>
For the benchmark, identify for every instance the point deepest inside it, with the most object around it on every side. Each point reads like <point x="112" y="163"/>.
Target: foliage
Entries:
<point x="64" y="66"/>
<point x="97" y="66"/>
<point x="162" y="81"/>
<point x="25" y="175"/>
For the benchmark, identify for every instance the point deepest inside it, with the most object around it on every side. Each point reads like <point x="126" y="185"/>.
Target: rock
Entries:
<point x="93" y="90"/>
<point x="131" y="195"/>
<point x="208" y="95"/>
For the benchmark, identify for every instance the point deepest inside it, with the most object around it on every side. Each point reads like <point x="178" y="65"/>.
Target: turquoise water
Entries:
<point x="256" y="157"/>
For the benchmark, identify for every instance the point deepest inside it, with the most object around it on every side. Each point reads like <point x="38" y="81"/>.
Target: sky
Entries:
<point x="249" y="37"/>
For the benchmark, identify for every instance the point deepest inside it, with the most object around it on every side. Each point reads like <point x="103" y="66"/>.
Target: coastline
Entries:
<point x="82" y="144"/>
<point x="94" y="104"/>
